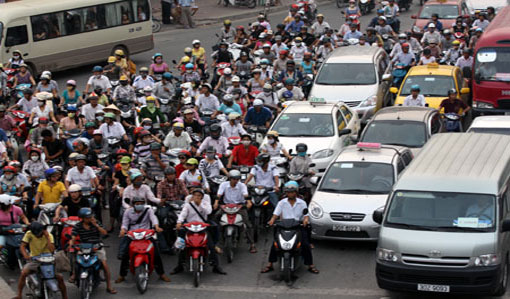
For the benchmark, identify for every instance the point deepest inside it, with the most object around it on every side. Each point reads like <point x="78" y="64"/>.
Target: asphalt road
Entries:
<point x="347" y="268"/>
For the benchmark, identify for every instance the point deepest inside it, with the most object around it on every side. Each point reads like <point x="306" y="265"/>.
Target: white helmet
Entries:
<point x="46" y="73"/>
<point x="258" y="102"/>
<point x="227" y="71"/>
<point x="236" y="79"/>
<point x="195" y="42"/>
<point x="74" y="188"/>
<point x="5" y="199"/>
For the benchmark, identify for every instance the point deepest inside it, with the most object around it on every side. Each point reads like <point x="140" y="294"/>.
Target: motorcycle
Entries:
<point x="387" y="43"/>
<point x="306" y="7"/>
<point x="248" y="3"/>
<point x="70" y="136"/>
<point x="233" y="142"/>
<point x="288" y="247"/>
<point x="452" y="122"/>
<point x="46" y="217"/>
<point x="257" y="134"/>
<point x="398" y="74"/>
<point x="141" y="256"/>
<point x="43" y="284"/>
<point x="127" y="111"/>
<point x="88" y="266"/>
<point x="262" y="209"/>
<point x="303" y="190"/>
<point x="114" y="143"/>
<point x="220" y="68"/>
<point x="282" y="165"/>
<point x="168" y="108"/>
<point x="364" y="6"/>
<point x="14" y="234"/>
<point x="18" y="92"/>
<point x="232" y="225"/>
<point x="307" y="84"/>
<point x="167" y="216"/>
<point x="197" y="252"/>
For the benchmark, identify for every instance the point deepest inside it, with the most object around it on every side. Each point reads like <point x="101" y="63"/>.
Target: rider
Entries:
<point x="295" y="25"/>
<point x="244" y="153"/>
<point x="453" y="53"/>
<point x="71" y="204"/>
<point x="211" y="166"/>
<point x="51" y="190"/>
<point x="215" y="140"/>
<point x="143" y="79"/>
<point x="206" y="100"/>
<point x="258" y="115"/>
<point x="352" y="9"/>
<point x="10" y="214"/>
<point x="233" y="126"/>
<point x="291" y="73"/>
<point x="98" y="80"/>
<point x="227" y="34"/>
<point x="297" y="51"/>
<point x="405" y="56"/>
<point x="297" y="92"/>
<point x="53" y="148"/>
<point x="82" y="174"/>
<point x="151" y="111"/>
<point x="193" y="175"/>
<point x="354" y="33"/>
<point x="171" y="188"/>
<point x="235" y="192"/>
<point x="137" y="189"/>
<point x="453" y="104"/>
<point x="268" y="96"/>
<point x="158" y="67"/>
<point x="124" y="90"/>
<point x="177" y="138"/>
<point x="301" y="164"/>
<point x="89" y="110"/>
<point x="155" y="164"/>
<point x="392" y="10"/>
<point x="293" y="207"/>
<point x="35" y="167"/>
<point x="164" y="89"/>
<point x="138" y="217"/>
<point x="430" y="34"/>
<point x="383" y="28"/>
<point x="16" y="60"/>
<point x="273" y="147"/>
<point x="319" y="27"/>
<point x="415" y="98"/>
<point x="266" y="175"/>
<point x="112" y="128"/>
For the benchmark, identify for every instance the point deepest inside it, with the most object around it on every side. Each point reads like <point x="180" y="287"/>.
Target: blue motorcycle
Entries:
<point x="10" y="254"/>
<point x="399" y="73"/>
<point x="87" y="268"/>
<point x="43" y="284"/>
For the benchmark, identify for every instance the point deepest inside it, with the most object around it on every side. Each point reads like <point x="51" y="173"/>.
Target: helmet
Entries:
<point x="284" y="52"/>
<point x="415" y="87"/>
<point x="71" y="108"/>
<point x="405" y="45"/>
<point x="147" y="88"/>
<point x="240" y="27"/>
<point x="137" y="131"/>
<point x="402" y="35"/>
<point x="185" y="59"/>
<point x="15" y="163"/>
<point x="111" y="59"/>
<point x="144" y="69"/>
<point x="46" y="73"/>
<point x="125" y="160"/>
<point x="184" y="153"/>
<point x="157" y="55"/>
<point x="207" y="85"/>
<point x="308" y="54"/>
<point x="150" y="99"/>
<point x="137" y="199"/>
<point x="198" y="190"/>
<point x="189" y="66"/>
<point x="192" y="161"/>
<point x="382" y="18"/>
<point x="288" y="94"/>
<point x="9" y="169"/>
<point x="290" y="62"/>
<point x="169" y="170"/>
<point x="289" y="81"/>
<point x="5" y="199"/>
<point x="90" y="124"/>
<point x="49" y="172"/>
<point x="456" y="43"/>
<point x="196" y="41"/>
<point x="178" y="125"/>
<point x="210" y="150"/>
<point x="109" y="115"/>
<point x="97" y="68"/>
<point x="234" y="174"/>
<point x="71" y="82"/>
<point x="227" y="22"/>
<point x="215" y="128"/>
<point x="301" y="147"/>
<point x="258" y="102"/>
<point x="273" y="134"/>
<point x="35" y="150"/>
<point x="81" y="157"/>
<point x="227" y="71"/>
<point x="134" y="175"/>
<point x="119" y="52"/>
<point x="85" y="213"/>
<point x="234" y="116"/>
<point x="452" y="91"/>
<point x="228" y="98"/>
<point x="188" y="50"/>
<point x="144" y="133"/>
<point x="121" y="151"/>
<point x="291" y="186"/>
<point x="167" y="76"/>
<point x="36" y="228"/>
<point x="263" y="158"/>
<point x="264" y="61"/>
<point x="74" y="188"/>
<point x="236" y="79"/>
<point x="155" y="146"/>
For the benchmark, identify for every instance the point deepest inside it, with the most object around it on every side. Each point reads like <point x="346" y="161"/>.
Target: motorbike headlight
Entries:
<point x="315" y="210"/>
<point x="323" y="154"/>
<point x="485" y="260"/>
<point x="482" y="105"/>
<point x="369" y="102"/>
<point x="386" y="255"/>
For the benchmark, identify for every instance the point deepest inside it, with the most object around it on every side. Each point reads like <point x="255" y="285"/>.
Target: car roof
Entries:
<point x="460" y="162"/>
<point x="385" y="154"/>
<point x="491" y="121"/>
<point x="353" y="54"/>
<point x="434" y="69"/>
<point x="441" y="2"/>
<point x="404" y="113"/>
<point x="307" y="107"/>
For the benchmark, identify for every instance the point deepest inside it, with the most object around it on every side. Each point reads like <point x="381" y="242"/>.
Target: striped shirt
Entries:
<point x="90" y="235"/>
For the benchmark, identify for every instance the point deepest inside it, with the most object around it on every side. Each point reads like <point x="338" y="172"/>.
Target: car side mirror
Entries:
<point x="344" y="132"/>
<point x="377" y="216"/>
<point x="505" y="227"/>
<point x="465" y="90"/>
<point x="314" y="180"/>
<point x="414" y="16"/>
<point x="305" y="211"/>
<point x="394" y="90"/>
<point x="386" y="77"/>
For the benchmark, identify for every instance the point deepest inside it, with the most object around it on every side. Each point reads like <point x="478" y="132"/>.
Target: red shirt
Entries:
<point x="243" y="156"/>
<point x="179" y="168"/>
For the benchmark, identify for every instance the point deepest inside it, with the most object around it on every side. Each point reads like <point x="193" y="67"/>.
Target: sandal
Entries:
<point x="111" y="291"/>
<point x="313" y="270"/>
<point x="267" y="269"/>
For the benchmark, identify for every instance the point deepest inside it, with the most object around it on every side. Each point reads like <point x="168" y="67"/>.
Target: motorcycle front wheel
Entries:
<point x="229" y="249"/>
<point x="142" y="278"/>
<point x="196" y="272"/>
<point x="85" y="288"/>
<point x="287" y="273"/>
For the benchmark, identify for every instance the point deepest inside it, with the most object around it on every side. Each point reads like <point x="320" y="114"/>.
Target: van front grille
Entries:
<point x="421" y="260"/>
<point x="504" y="104"/>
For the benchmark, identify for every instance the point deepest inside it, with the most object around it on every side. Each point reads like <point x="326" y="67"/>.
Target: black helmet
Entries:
<point x="81" y="157"/>
<point x="301" y="147"/>
<point x="210" y="150"/>
<point x="199" y="190"/>
<point x="223" y="43"/>
<point x="263" y="158"/>
<point x="85" y="213"/>
<point x="215" y="128"/>
<point x="36" y="228"/>
<point x="452" y="91"/>
<point x="169" y="170"/>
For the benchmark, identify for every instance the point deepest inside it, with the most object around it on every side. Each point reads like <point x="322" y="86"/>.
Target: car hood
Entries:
<point x="314" y="144"/>
<point x="433" y="102"/>
<point x="345" y="93"/>
<point x="349" y="203"/>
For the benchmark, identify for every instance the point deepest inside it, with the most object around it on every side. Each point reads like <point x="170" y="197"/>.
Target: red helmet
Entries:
<point x="137" y="131"/>
<point x="295" y="6"/>
<point x="284" y="52"/>
<point x="9" y="169"/>
<point x="121" y="151"/>
<point x="459" y="35"/>
<point x="240" y="28"/>
<point x="35" y="150"/>
<point x="185" y="152"/>
<point x="405" y="45"/>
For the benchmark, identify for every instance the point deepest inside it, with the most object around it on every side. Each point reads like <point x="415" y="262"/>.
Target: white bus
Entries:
<point x="61" y="34"/>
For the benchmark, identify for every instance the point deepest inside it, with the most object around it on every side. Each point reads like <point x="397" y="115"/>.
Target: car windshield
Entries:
<point x="358" y="178"/>
<point x="305" y="124"/>
<point x="396" y="132"/>
<point x="347" y="74"/>
<point x="430" y="86"/>
<point x="502" y="131"/>
<point x="443" y="11"/>
<point x="444" y="211"/>
<point x="493" y="64"/>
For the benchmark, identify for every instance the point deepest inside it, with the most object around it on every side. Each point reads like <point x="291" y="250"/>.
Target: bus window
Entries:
<point x="16" y="35"/>
<point x="126" y="12"/>
<point x="90" y="16"/>
<point x="73" y="22"/>
<point x="142" y="10"/>
<point x="46" y="26"/>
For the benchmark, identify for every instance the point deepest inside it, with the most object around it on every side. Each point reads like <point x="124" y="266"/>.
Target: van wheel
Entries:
<point x="503" y="284"/>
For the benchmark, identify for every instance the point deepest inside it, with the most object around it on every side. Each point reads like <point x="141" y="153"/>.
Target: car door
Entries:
<point x="17" y="38"/>
<point x="383" y="67"/>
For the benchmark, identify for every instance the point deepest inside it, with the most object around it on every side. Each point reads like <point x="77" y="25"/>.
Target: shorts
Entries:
<point x="101" y="254"/>
<point x="31" y="267"/>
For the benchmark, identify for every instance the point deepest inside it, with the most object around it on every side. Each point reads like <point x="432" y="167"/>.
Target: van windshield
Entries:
<point x="358" y="178"/>
<point x="347" y="74"/>
<point x="493" y="64"/>
<point x="443" y="11"/>
<point x="442" y="211"/>
<point x="305" y="125"/>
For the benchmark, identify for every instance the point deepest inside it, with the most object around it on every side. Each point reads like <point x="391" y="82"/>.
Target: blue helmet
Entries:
<point x="85" y="213"/>
<point x="415" y="87"/>
<point x="228" y="111"/>
<point x="189" y="65"/>
<point x="288" y="94"/>
<point x="167" y="76"/>
<point x="135" y="174"/>
<point x="157" y="55"/>
<point x="97" y="68"/>
<point x="49" y="172"/>
<point x="264" y="61"/>
<point x="291" y="186"/>
<point x="71" y="108"/>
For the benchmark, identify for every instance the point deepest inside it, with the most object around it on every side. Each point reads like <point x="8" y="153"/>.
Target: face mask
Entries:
<point x="302" y="154"/>
<point x="246" y="142"/>
<point x="41" y="103"/>
<point x="9" y="176"/>
<point x="70" y="115"/>
<point x="147" y="127"/>
<point x="70" y="88"/>
<point x="150" y="105"/>
<point x="215" y="137"/>
<point x="139" y="208"/>
<point x="189" y="71"/>
<point x="270" y="141"/>
<point x="237" y="121"/>
<point x="16" y="57"/>
<point x="298" y="44"/>
<point x="100" y="118"/>
<point x="210" y="156"/>
<point x="264" y="66"/>
<point x="34" y="158"/>
<point x="267" y="93"/>
<point x="260" y="164"/>
<point x="137" y="184"/>
<point x="123" y="83"/>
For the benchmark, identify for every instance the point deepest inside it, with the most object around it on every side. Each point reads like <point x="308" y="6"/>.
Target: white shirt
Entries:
<point x="234" y="194"/>
<point x="140" y="82"/>
<point x="102" y="82"/>
<point x="298" y="53"/>
<point x="220" y="144"/>
<point x="207" y="103"/>
<point x="74" y="176"/>
<point x="115" y="130"/>
<point x="271" y="99"/>
<point x="188" y="214"/>
<point x="287" y="211"/>
<point x="187" y="177"/>
<point x="27" y="105"/>
<point x="227" y="130"/>
<point x="264" y="178"/>
<point x="319" y="29"/>
<point x="424" y="60"/>
<point x="42" y="113"/>
<point x="172" y="141"/>
<point x="419" y="101"/>
<point x="297" y="93"/>
<point x="90" y="112"/>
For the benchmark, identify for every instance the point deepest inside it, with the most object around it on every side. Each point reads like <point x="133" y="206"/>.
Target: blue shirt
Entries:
<point x="356" y="34"/>
<point x="294" y="27"/>
<point x="258" y="119"/>
<point x="3" y="136"/>
<point x="234" y="107"/>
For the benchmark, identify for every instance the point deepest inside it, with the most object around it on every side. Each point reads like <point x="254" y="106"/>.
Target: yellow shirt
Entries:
<point x="51" y="194"/>
<point x="36" y="245"/>
<point x="199" y="54"/>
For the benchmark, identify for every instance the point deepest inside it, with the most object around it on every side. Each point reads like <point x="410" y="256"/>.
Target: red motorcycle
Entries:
<point x="141" y="256"/>
<point x="220" y="68"/>
<point x="65" y="235"/>
<point x="197" y="252"/>
<point x="21" y="130"/>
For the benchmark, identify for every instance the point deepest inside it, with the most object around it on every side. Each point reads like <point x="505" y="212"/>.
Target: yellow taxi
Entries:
<point x="434" y="80"/>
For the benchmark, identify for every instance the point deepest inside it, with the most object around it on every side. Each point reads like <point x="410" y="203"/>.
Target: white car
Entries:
<point x="497" y="124"/>
<point x="353" y="187"/>
<point x="326" y="128"/>
<point x="482" y="5"/>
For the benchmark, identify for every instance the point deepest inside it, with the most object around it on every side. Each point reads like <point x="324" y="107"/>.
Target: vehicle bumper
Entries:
<point x="322" y="229"/>
<point x="490" y="111"/>
<point x="365" y="113"/>
<point x="400" y="277"/>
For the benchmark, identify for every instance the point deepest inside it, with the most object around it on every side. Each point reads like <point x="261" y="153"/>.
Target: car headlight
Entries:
<point x="386" y="255"/>
<point x="482" y="105"/>
<point x="323" y="154"/>
<point x="315" y="210"/>
<point x="370" y="101"/>
<point x="485" y="260"/>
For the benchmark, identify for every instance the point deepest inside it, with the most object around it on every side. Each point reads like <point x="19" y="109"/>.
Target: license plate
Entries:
<point x="507" y="113"/>
<point x="346" y="228"/>
<point x="433" y="288"/>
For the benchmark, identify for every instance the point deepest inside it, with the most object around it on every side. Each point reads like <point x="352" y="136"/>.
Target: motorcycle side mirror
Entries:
<point x="305" y="211"/>
<point x="344" y="132"/>
<point x="290" y="151"/>
<point x="386" y="77"/>
<point x="393" y="90"/>
<point x="216" y="35"/>
<point x="314" y="180"/>
<point x="127" y="200"/>
<point x="426" y="104"/>
<point x="414" y="16"/>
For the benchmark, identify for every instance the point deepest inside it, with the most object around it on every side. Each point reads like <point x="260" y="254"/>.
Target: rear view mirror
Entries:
<point x="305" y="211"/>
<point x="314" y="180"/>
<point x="312" y="165"/>
<point x="394" y="90"/>
<point x="377" y="216"/>
<point x="344" y="132"/>
<point x="465" y="90"/>
<point x="386" y="77"/>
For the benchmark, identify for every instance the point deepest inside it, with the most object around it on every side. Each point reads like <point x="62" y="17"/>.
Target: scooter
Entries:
<point x="141" y="256"/>
<point x="282" y="165"/>
<point x="197" y="252"/>
<point x="398" y="74"/>
<point x="167" y="216"/>
<point x="43" y="284"/>
<point x="94" y="204"/>
<point x="14" y="234"/>
<point x="302" y="191"/>
<point x="452" y="122"/>
<point x="232" y="225"/>
<point x="364" y="6"/>
<point x="288" y="247"/>
<point x="88" y="266"/>
<point x="262" y="209"/>
<point x="257" y="134"/>
<point x="46" y="217"/>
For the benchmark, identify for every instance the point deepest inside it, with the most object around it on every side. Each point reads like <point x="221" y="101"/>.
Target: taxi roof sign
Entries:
<point x="368" y="145"/>
<point x="316" y="100"/>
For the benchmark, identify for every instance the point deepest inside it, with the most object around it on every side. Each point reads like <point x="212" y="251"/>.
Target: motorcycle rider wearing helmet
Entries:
<point x="158" y="67"/>
<point x="235" y="192"/>
<point x="295" y="25"/>
<point x="228" y="103"/>
<point x="266" y="175"/>
<point x="91" y="110"/>
<point x="190" y="74"/>
<point x="51" y="190"/>
<point x="453" y="53"/>
<point x="280" y="63"/>
<point x="34" y="168"/>
<point x="113" y="71"/>
<point x="15" y="61"/>
<point x="155" y="164"/>
<point x="244" y="154"/>
<point x="130" y="221"/>
<point x="153" y="112"/>
<point x="453" y="104"/>
<point x="199" y="55"/>
<point x="44" y="85"/>
<point x="243" y="66"/>
<point x="225" y="81"/>
<point x="112" y="128"/>
<point x="72" y="204"/>
<point x="383" y="28"/>
<point x="82" y="174"/>
<point x="137" y="189"/>
<point x="142" y="149"/>
<point x="164" y="89"/>
<point x="194" y="176"/>
<point x="269" y="97"/>
<point x="258" y="115"/>
<point x="216" y="141"/>
<point x="98" y="80"/>
<point x="301" y="164"/>
<point x="211" y="166"/>
<point x="177" y="138"/>
<point x="222" y="55"/>
<point x="72" y="121"/>
<point x="206" y="100"/>
<point x="43" y="109"/>
<point x="291" y="73"/>
<point x="353" y="32"/>
<point x="292" y="207"/>
<point x="10" y="214"/>
<point x="26" y="103"/>
<point x="89" y="231"/>
<point x="297" y="92"/>
<point x="405" y="57"/>
<point x="124" y="90"/>
<point x="273" y="147"/>
<point x="39" y="241"/>
<point x="227" y="33"/>
<point x="171" y="188"/>
<point x="23" y="76"/>
<point x="319" y="27"/>
<point x="197" y="208"/>
<point x="430" y="34"/>
<point x="143" y="79"/>
<point x="415" y="98"/>
<point x="233" y="127"/>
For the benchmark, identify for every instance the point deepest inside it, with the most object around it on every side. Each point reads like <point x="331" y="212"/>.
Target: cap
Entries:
<point x="97" y="132"/>
<point x="178" y="125"/>
<point x="125" y="159"/>
<point x="188" y="111"/>
<point x="192" y="161"/>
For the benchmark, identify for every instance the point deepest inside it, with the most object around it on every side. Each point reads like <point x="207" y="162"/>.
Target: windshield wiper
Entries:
<point x="413" y="226"/>
<point x="398" y="144"/>
<point x="458" y="228"/>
